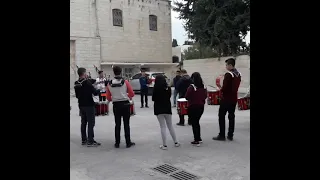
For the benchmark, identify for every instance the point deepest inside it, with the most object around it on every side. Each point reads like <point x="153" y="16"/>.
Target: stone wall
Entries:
<point x="97" y="40"/>
<point x="211" y="68"/>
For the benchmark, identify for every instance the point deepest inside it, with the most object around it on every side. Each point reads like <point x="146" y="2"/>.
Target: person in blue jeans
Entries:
<point x="144" y="88"/>
<point x="175" y="93"/>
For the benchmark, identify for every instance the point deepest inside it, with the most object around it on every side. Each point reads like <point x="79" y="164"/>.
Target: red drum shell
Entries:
<point x="244" y="103"/>
<point x="182" y="106"/>
<point x="101" y="109"/>
<point x="214" y="97"/>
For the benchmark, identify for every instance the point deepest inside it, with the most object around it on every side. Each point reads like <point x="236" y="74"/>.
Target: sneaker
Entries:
<point x="147" y="106"/>
<point x="176" y="144"/>
<point x="84" y="143"/>
<point x="196" y="143"/>
<point x="116" y="145"/>
<point x="131" y="144"/>
<point x="93" y="144"/>
<point x="163" y="147"/>
<point x="200" y="141"/>
<point x="219" y="138"/>
<point x="141" y="107"/>
<point x="230" y="138"/>
<point x="180" y="124"/>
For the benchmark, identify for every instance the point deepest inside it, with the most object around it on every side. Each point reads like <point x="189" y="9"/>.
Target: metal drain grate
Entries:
<point x="175" y="173"/>
<point x="183" y="175"/>
<point x="165" y="169"/>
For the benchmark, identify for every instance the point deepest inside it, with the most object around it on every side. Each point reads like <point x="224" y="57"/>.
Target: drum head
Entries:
<point x="212" y="90"/>
<point x="182" y="100"/>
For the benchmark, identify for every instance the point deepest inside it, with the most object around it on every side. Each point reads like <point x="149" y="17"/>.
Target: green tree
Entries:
<point x="174" y="43"/>
<point x="220" y="24"/>
<point x="199" y="52"/>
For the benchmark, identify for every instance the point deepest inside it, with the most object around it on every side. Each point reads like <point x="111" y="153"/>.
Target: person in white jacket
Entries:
<point x="100" y="84"/>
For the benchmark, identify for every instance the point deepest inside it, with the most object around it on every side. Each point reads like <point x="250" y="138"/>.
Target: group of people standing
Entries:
<point x="119" y="91"/>
<point x="193" y="89"/>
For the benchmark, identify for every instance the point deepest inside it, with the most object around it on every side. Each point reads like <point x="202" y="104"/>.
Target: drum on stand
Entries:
<point x="244" y="103"/>
<point x="214" y="97"/>
<point x="132" y="109"/>
<point x="182" y="106"/>
<point x="102" y="108"/>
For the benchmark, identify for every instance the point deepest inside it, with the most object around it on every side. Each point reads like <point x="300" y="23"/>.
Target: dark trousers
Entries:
<point x="102" y="98"/>
<point x="223" y="109"/>
<point x="144" y="93"/>
<point x="87" y="117"/>
<point x="181" y="119"/>
<point x="195" y="113"/>
<point x="122" y="110"/>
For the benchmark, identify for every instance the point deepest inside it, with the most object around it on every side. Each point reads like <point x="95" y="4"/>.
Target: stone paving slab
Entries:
<point x="214" y="160"/>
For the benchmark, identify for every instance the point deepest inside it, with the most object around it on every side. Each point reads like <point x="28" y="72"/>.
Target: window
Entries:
<point x="153" y="23"/>
<point x="117" y="17"/>
<point x="156" y="74"/>
<point x="137" y="76"/>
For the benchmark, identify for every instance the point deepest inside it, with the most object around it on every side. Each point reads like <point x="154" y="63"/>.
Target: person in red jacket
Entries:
<point x="229" y="100"/>
<point x="196" y="95"/>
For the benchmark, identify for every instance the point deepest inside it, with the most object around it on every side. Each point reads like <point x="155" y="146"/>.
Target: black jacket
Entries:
<point x="84" y="91"/>
<point x="175" y="80"/>
<point x="162" y="103"/>
<point x="183" y="84"/>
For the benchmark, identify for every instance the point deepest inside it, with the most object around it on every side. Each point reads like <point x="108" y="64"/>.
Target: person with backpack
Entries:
<point x="196" y="95"/>
<point x="162" y="109"/>
<point x="84" y="91"/>
<point x="119" y="91"/>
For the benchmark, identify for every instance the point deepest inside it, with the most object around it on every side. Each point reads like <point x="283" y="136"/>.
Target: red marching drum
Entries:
<point x="214" y="97"/>
<point x="102" y="108"/>
<point x="244" y="103"/>
<point x="182" y="106"/>
<point x="132" y="110"/>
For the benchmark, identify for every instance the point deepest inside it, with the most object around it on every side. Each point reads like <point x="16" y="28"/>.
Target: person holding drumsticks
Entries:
<point x="162" y="109"/>
<point x="182" y="86"/>
<point x="100" y="81"/>
<point x="229" y="98"/>
<point x="84" y="91"/>
<point x="196" y="96"/>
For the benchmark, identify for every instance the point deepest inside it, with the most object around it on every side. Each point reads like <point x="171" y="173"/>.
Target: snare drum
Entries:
<point x="244" y="103"/>
<point x="214" y="97"/>
<point x="182" y="107"/>
<point x="132" y="110"/>
<point x="102" y="108"/>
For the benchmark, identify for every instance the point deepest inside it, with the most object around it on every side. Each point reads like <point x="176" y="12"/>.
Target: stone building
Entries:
<point x="128" y="33"/>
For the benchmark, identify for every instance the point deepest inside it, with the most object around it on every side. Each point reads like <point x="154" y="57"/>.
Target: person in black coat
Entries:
<point x="182" y="86"/>
<point x="162" y="109"/>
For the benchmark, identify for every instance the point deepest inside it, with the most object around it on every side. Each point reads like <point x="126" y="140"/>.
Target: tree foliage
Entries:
<point x="174" y="43"/>
<point x="199" y="52"/>
<point x="220" y="24"/>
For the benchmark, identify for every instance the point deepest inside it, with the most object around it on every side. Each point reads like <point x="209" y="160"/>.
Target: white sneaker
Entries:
<point x="176" y="144"/>
<point x="163" y="147"/>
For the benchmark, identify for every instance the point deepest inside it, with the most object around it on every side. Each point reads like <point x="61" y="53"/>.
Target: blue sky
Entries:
<point x="179" y="33"/>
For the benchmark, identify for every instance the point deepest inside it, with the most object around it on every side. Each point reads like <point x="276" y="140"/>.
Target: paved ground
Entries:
<point x="212" y="161"/>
